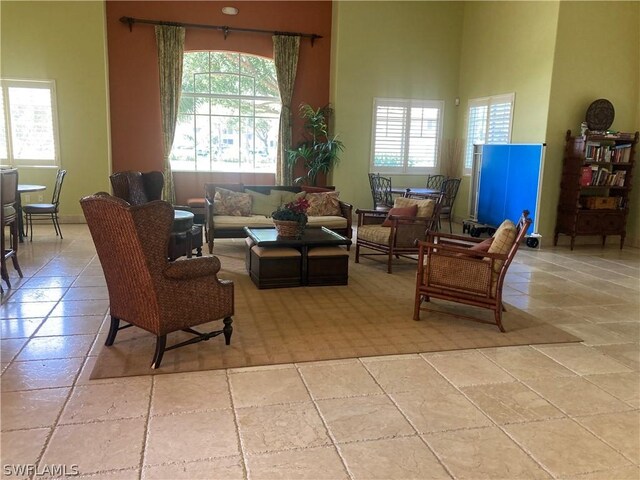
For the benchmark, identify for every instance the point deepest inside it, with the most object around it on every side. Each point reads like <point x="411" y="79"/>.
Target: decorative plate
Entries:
<point x="600" y="115"/>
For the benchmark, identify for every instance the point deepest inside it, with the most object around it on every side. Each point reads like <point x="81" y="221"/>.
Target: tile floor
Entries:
<point x="548" y="411"/>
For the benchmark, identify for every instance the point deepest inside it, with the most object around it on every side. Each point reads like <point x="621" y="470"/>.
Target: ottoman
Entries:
<point x="275" y="267"/>
<point x="327" y="266"/>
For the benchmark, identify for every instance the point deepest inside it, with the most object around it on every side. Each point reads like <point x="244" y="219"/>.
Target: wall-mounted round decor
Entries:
<point x="600" y="115"/>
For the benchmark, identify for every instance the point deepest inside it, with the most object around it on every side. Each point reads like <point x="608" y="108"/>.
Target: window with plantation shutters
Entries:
<point x="406" y="135"/>
<point x="489" y="121"/>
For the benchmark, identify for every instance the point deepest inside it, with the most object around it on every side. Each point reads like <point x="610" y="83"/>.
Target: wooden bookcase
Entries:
<point x="596" y="182"/>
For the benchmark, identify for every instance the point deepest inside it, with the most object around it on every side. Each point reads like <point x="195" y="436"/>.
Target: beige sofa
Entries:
<point x="232" y="226"/>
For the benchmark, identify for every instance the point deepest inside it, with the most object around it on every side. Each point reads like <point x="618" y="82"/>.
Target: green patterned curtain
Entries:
<point x="170" y="42"/>
<point x="285" y="57"/>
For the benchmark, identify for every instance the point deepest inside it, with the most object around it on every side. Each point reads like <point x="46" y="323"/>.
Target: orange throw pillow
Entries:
<point x="403" y="212"/>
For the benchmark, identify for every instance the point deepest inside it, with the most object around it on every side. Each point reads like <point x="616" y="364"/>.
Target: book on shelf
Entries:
<point x="585" y="178"/>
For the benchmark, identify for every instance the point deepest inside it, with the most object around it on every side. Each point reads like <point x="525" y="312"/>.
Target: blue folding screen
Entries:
<point x="510" y="177"/>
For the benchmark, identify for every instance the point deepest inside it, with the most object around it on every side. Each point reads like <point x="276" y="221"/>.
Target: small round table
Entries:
<point x="24" y="188"/>
<point x="185" y="236"/>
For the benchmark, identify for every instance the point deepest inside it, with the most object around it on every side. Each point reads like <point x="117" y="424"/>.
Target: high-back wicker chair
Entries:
<point x="397" y="234"/>
<point x="468" y="270"/>
<point x="380" y="191"/>
<point x="137" y="188"/>
<point x="145" y="289"/>
<point x="9" y="217"/>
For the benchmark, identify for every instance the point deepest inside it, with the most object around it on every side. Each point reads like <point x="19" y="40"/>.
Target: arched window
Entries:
<point x="229" y="113"/>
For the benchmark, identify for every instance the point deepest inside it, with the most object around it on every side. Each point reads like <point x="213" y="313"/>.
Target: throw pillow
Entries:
<point x="228" y="202"/>
<point x="262" y="204"/>
<point x="287" y="197"/>
<point x="503" y="241"/>
<point x="425" y="207"/>
<point x="323" y="204"/>
<point x="403" y="212"/>
<point x="482" y="247"/>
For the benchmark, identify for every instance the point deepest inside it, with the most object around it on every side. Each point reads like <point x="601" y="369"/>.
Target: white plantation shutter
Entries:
<point x="489" y="121"/>
<point x="4" y="153"/>
<point x="406" y="135"/>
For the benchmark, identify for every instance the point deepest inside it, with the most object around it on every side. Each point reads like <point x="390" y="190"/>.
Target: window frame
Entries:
<point x="237" y="168"/>
<point x="50" y="85"/>
<point x="488" y="102"/>
<point x="406" y="103"/>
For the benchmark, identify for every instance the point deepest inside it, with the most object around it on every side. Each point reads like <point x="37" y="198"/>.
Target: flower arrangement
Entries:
<point x="291" y="218"/>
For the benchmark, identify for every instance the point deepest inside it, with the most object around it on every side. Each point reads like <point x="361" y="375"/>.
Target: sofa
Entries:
<point x="227" y="219"/>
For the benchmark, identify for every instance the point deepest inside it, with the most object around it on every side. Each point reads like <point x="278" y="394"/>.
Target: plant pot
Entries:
<point x="288" y="229"/>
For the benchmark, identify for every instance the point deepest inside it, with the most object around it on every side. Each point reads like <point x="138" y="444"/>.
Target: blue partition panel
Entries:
<point x="509" y="182"/>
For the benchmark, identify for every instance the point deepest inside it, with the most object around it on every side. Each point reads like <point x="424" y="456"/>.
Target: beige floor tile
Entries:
<point x="98" y="446"/>
<point x="629" y="331"/>
<point x="73" y="308"/>
<point x="37" y="295"/>
<point x="390" y="458"/>
<point x="405" y="374"/>
<point x="582" y="359"/>
<point x="511" y="403"/>
<point x="106" y="402"/>
<point x="49" y="282"/>
<point x="281" y="427"/>
<point x="26" y="310"/>
<point x="125" y="474"/>
<point x="190" y="392"/>
<point x="86" y="293"/>
<point x="40" y="374"/>
<point x="32" y="408"/>
<point x="89" y="281"/>
<point x="22" y="447"/>
<point x="9" y="348"/>
<point x="607" y="314"/>
<point x="623" y="386"/>
<point x="85" y="372"/>
<point x="86" y="325"/>
<point x="564" y="447"/>
<point x="526" y="362"/>
<point x="310" y="464"/>
<point x="363" y="418"/>
<point x="191" y="436"/>
<point x="22" y="328"/>
<point x="627" y="353"/>
<point x="624" y="473"/>
<point x="619" y="430"/>
<point x="468" y="368"/>
<point x="576" y="396"/>
<point x="69" y="346"/>
<point x="336" y="380"/>
<point x="267" y="387"/>
<point x="439" y="409"/>
<point x="227" y="468"/>
<point x="483" y="453"/>
<point x="593" y="334"/>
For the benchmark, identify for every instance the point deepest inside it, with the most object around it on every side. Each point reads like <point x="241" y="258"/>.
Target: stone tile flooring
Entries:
<point x="554" y="411"/>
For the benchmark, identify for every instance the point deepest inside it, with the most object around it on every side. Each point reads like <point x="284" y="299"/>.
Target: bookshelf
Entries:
<point x="595" y="185"/>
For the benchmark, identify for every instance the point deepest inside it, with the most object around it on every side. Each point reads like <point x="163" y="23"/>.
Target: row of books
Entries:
<point x="595" y="176"/>
<point x="608" y="152"/>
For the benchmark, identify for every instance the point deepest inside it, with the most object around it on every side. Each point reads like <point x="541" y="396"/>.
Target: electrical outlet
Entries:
<point x="40" y="198"/>
<point x="27" y="198"/>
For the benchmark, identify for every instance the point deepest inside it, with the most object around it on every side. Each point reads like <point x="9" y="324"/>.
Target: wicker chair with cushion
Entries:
<point x="406" y="223"/>
<point x="468" y="270"/>
<point x="9" y="218"/>
<point x="381" y="192"/>
<point x="145" y="289"/>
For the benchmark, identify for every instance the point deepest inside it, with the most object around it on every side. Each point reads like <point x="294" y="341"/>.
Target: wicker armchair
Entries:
<point x="468" y="270"/>
<point x="398" y="235"/>
<point x="145" y="289"/>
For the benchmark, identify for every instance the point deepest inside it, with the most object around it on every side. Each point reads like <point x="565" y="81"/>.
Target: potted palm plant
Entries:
<point x="319" y="150"/>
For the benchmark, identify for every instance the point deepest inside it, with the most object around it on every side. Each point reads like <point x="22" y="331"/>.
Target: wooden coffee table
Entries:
<point x="312" y="237"/>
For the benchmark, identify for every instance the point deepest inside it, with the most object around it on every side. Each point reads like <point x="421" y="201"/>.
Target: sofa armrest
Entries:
<point x="346" y="210"/>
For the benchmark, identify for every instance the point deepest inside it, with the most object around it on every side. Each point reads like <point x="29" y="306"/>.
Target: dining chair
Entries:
<point x="434" y="182"/>
<point x="381" y="192"/>
<point x="46" y="209"/>
<point x="9" y="217"/>
<point x="450" y="190"/>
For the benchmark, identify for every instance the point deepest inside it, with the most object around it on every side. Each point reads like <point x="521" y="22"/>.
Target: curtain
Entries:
<point x="285" y="57"/>
<point x="170" y="42"/>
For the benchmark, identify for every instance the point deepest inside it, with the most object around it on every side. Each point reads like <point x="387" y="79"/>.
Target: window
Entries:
<point x="406" y="135"/>
<point x="28" y="124"/>
<point x="229" y="114"/>
<point x="489" y="121"/>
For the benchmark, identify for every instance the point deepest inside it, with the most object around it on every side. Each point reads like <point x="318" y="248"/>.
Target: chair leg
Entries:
<point x="416" y="306"/>
<point x="357" y="253"/>
<point x="389" y="259"/>
<point x="30" y="227"/>
<point x="4" y="273"/>
<point x="113" y="331"/>
<point x="161" y="343"/>
<point x="14" y="247"/>
<point x="227" y="330"/>
<point x="498" y="315"/>
<point x="450" y="227"/>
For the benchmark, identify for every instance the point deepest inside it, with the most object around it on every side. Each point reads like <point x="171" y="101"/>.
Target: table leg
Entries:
<point x="21" y="234"/>
<point x="305" y="262"/>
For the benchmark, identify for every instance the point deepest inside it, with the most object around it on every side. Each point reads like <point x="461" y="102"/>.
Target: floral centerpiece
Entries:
<point x="290" y="219"/>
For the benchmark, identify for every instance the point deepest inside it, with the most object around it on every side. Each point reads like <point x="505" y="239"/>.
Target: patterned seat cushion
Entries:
<point x="375" y="234"/>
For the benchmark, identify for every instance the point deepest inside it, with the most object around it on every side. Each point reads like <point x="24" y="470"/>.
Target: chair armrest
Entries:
<point x="364" y="211"/>
<point x="463" y="238"/>
<point x="192" y="268"/>
<point x="437" y="248"/>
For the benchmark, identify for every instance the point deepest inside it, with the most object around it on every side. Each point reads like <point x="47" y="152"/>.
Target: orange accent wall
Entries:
<point x="136" y="132"/>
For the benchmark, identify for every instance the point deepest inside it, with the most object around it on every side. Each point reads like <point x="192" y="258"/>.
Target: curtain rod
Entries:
<point x="225" y="29"/>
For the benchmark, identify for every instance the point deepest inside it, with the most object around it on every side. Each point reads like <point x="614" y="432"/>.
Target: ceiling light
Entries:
<point x="230" y="10"/>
